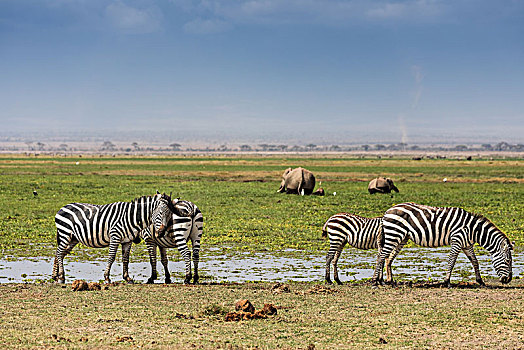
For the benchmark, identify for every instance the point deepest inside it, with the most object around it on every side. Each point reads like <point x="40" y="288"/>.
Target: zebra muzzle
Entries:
<point x="506" y="279"/>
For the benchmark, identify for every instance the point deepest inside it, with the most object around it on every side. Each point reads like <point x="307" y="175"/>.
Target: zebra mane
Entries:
<point x="138" y="199"/>
<point x="483" y="219"/>
<point x="163" y="195"/>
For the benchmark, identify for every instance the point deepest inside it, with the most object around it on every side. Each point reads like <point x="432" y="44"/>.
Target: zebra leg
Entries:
<point x="335" y="261"/>
<point x="470" y="253"/>
<point x="164" y="261"/>
<point x="113" y="247"/>
<point x="196" y="257"/>
<point x="383" y="253"/>
<point x="452" y="258"/>
<point x="151" y="248"/>
<point x="186" y="255"/>
<point x="329" y="259"/>
<point x="392" y="256"/>
<point x="126" y="250"/>
<point x="335" y="246"/>
<point x="62" y="250"/>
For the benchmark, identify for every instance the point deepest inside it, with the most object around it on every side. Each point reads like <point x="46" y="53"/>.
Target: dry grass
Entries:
<point x="348" y="317"/>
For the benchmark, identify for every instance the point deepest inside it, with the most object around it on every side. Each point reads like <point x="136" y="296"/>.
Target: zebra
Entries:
<point x="111" y="224"/>
<point x="435" y="227"/>
<point x="357" y="231"/>
<point x="187" y="224"/>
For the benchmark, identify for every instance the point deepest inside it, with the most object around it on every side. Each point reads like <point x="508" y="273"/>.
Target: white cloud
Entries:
<point x="412" y="10"/>
<point x="206" y="26"/>
<point x="332" y="12"/>
<point x="133" y="20"/>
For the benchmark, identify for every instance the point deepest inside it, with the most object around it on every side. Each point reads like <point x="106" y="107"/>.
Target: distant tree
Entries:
<point x="461" y="148"/>
<point x="264" y="146"/>
<point x="40" y="146"/>
<point x="175" y="146"/>
<point x="502" y="146"/>
<point x="486" y="146"/>
<point x="335" y="148"/>
<point x="380" y="147"/>
<point x="135" y="145"/>
<point x="29" y="145"/>
<point x="63" y="147"/>
<point x="282" y="148"/>
<point x="108" y="146"/>
<point x="365" y="147"/>
<point x="245" y="148"/>
<point x="311" y="147"/>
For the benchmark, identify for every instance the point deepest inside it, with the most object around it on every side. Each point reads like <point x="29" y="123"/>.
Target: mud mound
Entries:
<point x="280" y="288"/>
<point x="245" y="306"/>
<point x="242" y="315"/>
<point x="319" y="289"/>
<point x="80" y="285"/>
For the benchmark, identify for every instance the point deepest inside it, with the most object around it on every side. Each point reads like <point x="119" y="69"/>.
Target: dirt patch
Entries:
<point x="81" y="285"/>
<point x="319" y="289"/>
<point x="280" y="288"/>
<point x="246" y="311"/>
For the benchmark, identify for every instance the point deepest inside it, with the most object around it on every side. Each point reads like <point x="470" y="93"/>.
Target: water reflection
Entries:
<point x="227" y="265"/>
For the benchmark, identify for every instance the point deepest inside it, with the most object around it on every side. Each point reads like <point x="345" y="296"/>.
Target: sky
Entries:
<point x="326" y="71"/>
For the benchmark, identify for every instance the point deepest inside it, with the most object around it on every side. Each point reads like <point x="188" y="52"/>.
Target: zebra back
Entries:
<point x="359" y="232"/>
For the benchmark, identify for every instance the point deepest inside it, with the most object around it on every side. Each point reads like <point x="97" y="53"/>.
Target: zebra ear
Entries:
<point x="157" y="192"/>
<point x="512" y="245"/>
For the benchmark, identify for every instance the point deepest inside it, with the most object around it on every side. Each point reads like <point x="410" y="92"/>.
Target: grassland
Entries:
<point x="238" y="195"/>
<point x="352" y="316"/>
<point x="242" y="210"/>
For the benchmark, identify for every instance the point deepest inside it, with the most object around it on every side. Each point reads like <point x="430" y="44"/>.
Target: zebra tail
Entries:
<point x="324" y="229"/>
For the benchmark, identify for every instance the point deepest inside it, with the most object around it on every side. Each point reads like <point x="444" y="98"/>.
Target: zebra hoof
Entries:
<point x="130" y="281"/>
<point x="328" y="281"/>
<point x="338" y="281"/>
<point x="481" y="283"/>
<point x="150" y="281"/>
<point x="167" y="281"/>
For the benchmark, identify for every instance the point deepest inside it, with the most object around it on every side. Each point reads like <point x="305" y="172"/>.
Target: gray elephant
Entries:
<point x="382" y="185"/>
<point x="299" y="181"/>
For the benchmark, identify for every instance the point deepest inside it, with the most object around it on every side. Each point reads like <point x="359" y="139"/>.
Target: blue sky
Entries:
<point x="319" y="71"/>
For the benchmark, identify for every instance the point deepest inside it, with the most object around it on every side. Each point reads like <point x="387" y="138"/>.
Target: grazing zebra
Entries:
<point x="187" y="224"/>
<point x="435" y="227"/>
<point x="357" y="231"/>
<point x="111" y="224"/>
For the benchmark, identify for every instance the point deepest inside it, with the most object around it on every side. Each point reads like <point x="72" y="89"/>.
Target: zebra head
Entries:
<point x="502" y="261"/>
<point x="162" y="216"/>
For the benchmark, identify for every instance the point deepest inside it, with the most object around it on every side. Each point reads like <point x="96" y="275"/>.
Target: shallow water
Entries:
<point x="218" y="265"/>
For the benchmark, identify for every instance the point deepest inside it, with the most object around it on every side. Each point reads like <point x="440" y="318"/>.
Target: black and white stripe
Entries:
<point x="435" y="227"/>
<point x="344" y="228"/>
<point x="187" y="225"/>
<point x="110" y="225"/>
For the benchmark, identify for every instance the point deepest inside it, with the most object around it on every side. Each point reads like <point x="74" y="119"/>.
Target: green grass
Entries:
<point x="238" y="195"/>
